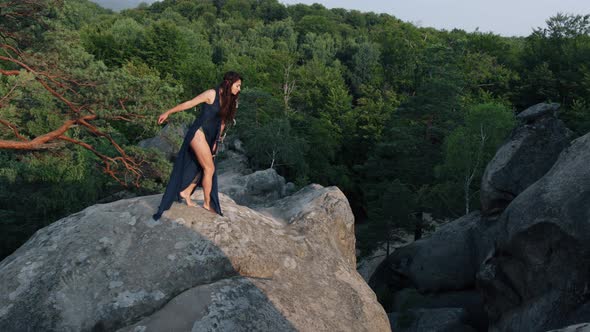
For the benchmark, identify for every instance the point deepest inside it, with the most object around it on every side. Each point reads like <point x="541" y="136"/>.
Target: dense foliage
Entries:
<point x="403" y="119"/>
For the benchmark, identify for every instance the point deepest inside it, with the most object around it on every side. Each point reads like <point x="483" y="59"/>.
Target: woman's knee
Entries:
<point x="209" y="169"/>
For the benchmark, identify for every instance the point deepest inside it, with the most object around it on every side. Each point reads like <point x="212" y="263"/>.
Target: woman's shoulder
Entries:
<point x="210" y="95"/>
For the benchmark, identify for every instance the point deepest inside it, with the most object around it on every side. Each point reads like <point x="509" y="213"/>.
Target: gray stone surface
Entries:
<point x="231" y="163"/>
<point x="537" y="278"/>
<point x="258" y="188"/>
<point x="235" y="178"/>
<point x="583" y="327"/>
<point x="111" y="267"/>
<point x="539" y="110"/>
<point x="245" y="187"/>
<point x="237" y="145"/>
<point x="366" y="266"/>
<point x="167" y="141"/>
<point x="470" y="301"/>
<point x="224" y="305"/>
<point x="446" y="260"/>
<point x="430" y="320"/>
<point x="531" y="150"/>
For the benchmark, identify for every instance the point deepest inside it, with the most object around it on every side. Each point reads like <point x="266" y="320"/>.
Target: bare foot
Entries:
<point x="187" y="198"/>
<point x="208" y="209"/>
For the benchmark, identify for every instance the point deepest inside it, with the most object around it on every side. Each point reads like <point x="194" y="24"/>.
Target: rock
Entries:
<point x="584" y="327"/>
<point x="237" y="145"/>
<point x="537" y="278"/>
<point x="260" y="187"/>
<point x="289" y="188"/>
<point x="531" y="150"/>
<point x="430" y="320"/>
<point x="111" y="267"/>
<point x="231" y="163"/>
<point x="580" y="315"/>
<point x="235" y="178"/>
<point x="265" y="185"/>
<point x="366" y="266"/>
<point x="245" y="187"/>
<point x="302" y="208"/>
<point x="539" y="110"/>
<point x="470" y="301"/>
<point x="447" y="260"/>
<point x="124" y="194"/>
<point x="168" y="141"/>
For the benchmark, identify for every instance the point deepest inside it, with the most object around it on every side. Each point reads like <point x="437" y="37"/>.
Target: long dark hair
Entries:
<point x="229" y="102"/>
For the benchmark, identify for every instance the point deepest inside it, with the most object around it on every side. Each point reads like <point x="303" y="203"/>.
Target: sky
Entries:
<point x="121" y="4"/>
<point x="503" y="17"/>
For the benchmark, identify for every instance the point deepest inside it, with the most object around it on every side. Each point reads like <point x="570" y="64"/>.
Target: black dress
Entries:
<point x="186" y="168"/>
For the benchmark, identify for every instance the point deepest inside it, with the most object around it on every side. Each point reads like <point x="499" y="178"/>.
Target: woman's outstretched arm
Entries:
<point x="207" y="96"/>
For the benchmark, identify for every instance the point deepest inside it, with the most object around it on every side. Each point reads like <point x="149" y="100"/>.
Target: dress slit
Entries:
<point x="187" y="169"/>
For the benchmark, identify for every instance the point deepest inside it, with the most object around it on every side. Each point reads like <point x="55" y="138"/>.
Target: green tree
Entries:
<point x="392" y="210"/>
<point x="274" y="145"/>
<point x="267" y="134"/>
<point x="365" y="69"/>
<point x="67" y="126"/>
<point x="468" y="148"/>
<point x="560" y="50"/>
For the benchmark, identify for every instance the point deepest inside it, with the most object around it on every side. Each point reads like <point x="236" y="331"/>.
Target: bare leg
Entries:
<point x="186" y="194"/>
<point x="201" y="148"/>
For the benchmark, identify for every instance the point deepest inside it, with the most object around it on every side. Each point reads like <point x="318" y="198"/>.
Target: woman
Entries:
<point x="194" y="163"/>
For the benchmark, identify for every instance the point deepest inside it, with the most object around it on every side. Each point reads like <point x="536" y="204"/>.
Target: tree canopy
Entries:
<point x="403" y="119"/>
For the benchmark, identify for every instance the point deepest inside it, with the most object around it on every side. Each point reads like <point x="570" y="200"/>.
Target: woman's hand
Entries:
<point x="207" y="96"/>
<point x="163" y="118"/>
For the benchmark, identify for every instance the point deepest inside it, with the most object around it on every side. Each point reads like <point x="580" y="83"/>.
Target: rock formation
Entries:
<point x="440" y="270"/>
<point x="530" y="151"/>
<point x="245" y="187"/>
<point x="258" y="188"/>
<point x="537" y="278"/>
<point x="235" y="178"/>
<point x="111" y="267"/>
<point x="443" y="319"/>
<point x="584" y="327"/>
<point x="526" y="259"/>
<point x="167" y="141"/>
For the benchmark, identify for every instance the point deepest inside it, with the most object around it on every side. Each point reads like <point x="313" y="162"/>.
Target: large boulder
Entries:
<point x="447" y="260"/>
<point x="245" y="187"/>
<point x="470" y="301"/>
<point x="111" y="267"/>
<point x="531" y="150"/>
<point x="366" y="266"/>
<point x="537" y="278"/>
<point x="440" y="270"/>
<point x="584" y="327"/>
<point x="230" y="164"/>
<point x="235" y="178"/>
<point x="430" y="320"/>
<point x="168" y="141"/>
<point x="254" y="189"/>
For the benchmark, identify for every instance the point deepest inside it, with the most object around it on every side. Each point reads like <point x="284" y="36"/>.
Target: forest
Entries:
<point x="403" y="119"/>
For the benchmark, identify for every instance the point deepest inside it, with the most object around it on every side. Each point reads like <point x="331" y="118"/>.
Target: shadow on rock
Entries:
<point x="111" y="267"/>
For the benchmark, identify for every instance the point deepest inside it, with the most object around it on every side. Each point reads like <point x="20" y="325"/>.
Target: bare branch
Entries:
<point x="37" y="142"/>
<point x="14" y="129"/>
<point x="16" y="17"/>
<point x="108" y="162"/>
<point x="5" y="98"/>
<point x="288" y="86"/>
<point x="9" y="72"/>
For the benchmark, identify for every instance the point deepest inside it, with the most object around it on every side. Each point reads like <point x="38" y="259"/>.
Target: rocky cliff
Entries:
<point x="289" y="266"/>
<point x="522" y="264"/>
